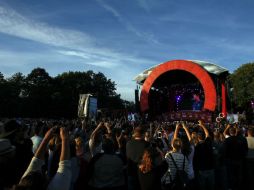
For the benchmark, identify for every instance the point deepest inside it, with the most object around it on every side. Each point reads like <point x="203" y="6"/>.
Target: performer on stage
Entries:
<point x="197" y="103"/>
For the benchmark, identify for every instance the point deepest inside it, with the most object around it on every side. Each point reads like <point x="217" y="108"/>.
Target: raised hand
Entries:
<point x="49" y="134"/>
<point x="64" y="134"/>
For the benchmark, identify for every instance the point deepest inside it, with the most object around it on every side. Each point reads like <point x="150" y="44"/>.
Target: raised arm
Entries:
<point x="225" y="132"/>
<point x="186" y="131"/>
<point x="96" y="130"/>
<point x="65" y="152"/>
<point x="176" y="130"/>
<point x="119" y="140"/>
<point x="156" y="129"/>
<point x="62" y="178"/>
<point x="40" y="153"/>
<point x="38" y="160"/>
<point x="201" y="124"/>
<point x="108" y="127"/>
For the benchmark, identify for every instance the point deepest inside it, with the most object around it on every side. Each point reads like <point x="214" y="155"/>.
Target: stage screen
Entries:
<point x="176" y="91"/>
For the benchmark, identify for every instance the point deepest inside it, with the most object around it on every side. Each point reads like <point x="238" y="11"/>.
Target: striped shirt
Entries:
<point x="179" y="159"/>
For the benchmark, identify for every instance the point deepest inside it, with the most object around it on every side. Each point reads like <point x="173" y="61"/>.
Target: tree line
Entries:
<point x="40" y="95"/>
<point x="241" y="91"/>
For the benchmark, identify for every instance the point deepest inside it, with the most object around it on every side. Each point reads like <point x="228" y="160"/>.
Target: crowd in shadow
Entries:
<point x="121" y="154"/>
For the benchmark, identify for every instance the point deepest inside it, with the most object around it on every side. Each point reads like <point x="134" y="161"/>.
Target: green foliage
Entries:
<point x="40" y="95"/>
<point x="243" y="83"/>
<point x="1" y="78"/>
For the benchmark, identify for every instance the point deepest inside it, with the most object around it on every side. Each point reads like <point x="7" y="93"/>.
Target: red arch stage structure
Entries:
<point x="209" y="75"/>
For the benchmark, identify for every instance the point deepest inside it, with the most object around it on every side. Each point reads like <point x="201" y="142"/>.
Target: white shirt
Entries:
<point x="62" y="178"/>
<point x="36" y="142"/>
<point x="250" y="141"/>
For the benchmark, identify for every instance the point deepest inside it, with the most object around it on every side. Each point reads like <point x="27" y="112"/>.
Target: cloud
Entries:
<point x="67" y="42"/>
<point x="12" y="23"/>
<point x="66" y="50"/>
<point x="144" y="5"/>
<point x="92" y="59"/>
<point x="127" y="24"/>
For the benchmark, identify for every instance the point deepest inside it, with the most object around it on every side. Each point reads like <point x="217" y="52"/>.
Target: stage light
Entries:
<point x="178" y="98"/>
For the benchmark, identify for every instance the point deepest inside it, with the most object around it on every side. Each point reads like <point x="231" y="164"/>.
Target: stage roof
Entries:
<point x="209" y="67"/>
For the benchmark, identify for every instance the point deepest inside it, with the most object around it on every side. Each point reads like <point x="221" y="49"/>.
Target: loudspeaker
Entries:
<point x="136" y="101"/>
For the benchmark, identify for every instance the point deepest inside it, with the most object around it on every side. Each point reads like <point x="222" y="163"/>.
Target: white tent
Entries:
<point x="209" y="67"/>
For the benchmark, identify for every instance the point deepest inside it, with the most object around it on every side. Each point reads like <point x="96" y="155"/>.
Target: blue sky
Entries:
<point x="121" y="38"/>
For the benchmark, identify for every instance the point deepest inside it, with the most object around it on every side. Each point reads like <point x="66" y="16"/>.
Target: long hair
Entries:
<point x="177" y="144"/>
<point x="79" y="145"/>
<point x="146" y="162"/>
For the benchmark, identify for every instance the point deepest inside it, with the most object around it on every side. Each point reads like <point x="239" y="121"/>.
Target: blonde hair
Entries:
<point x="194" y="138"/>
<point x="78" y="142"/>
<point x="177" y="144"/>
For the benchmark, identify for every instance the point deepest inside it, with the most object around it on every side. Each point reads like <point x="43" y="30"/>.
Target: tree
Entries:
<point x="1" y="78"/>
<point x="14" y="86"/>
<point x="3" y="94"/>
<point x="17" y="83"/>
<point x="70" y="85"/>
<point x="242" y="81"/>
<point x="40" y="95"/>
<point x="38" y="90"/>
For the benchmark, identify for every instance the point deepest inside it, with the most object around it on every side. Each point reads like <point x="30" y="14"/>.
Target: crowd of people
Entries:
<point x="116" y="154"/>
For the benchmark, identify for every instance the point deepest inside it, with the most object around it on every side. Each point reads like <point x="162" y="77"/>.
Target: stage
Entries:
<point x="188" y="115"/>
<point x="184" y="90"/>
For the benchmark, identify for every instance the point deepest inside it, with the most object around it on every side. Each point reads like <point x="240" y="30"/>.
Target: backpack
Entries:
<point x="181" y="179"/>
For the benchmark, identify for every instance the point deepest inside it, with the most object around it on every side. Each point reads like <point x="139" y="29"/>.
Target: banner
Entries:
<point x="87" y="106"/>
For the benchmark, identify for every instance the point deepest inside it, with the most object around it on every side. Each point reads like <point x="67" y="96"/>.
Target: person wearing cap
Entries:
<point x="14" y="132"/>
<point x="7" y="155"/>
<point x="6" y="132"/>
